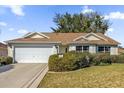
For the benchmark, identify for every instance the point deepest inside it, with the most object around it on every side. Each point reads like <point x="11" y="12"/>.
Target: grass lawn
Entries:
<point x="91" y="77"/>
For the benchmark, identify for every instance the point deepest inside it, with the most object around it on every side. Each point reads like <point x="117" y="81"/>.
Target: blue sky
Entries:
<point x="15" y="21"/>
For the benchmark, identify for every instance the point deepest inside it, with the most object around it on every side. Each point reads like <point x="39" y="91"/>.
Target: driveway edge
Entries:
<point x="33" y="83"/>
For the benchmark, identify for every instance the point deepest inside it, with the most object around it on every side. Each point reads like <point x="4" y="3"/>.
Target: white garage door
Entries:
<point x="33" y="54"/>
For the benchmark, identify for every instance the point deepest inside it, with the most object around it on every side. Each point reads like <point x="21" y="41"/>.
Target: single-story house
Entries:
<point x="3" y="49"/>
<point x="121" y="50"/>
<point x="36" y="47"/>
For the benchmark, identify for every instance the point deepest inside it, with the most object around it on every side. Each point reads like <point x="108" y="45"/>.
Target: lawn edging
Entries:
<point x="34" y="82"/>
<point x="111" y="76"/>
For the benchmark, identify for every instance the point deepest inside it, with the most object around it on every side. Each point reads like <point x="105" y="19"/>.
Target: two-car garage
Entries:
<point x="32" y="54"/>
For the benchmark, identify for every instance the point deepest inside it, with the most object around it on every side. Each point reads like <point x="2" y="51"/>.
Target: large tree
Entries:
<point x="88" y="22"/>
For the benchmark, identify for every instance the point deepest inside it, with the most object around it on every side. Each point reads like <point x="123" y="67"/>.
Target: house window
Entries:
<point x="107" y="49"/>
<point x="79" y="48"/>
<point x="101" y="49"/>
<point x="85" y="48"/>
<point x="104" y="49"/>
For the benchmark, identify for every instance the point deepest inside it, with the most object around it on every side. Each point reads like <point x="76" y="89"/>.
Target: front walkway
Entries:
<point x="22" y="75"/>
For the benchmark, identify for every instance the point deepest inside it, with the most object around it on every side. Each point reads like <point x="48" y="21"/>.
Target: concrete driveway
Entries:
<point x="22" y="75"/>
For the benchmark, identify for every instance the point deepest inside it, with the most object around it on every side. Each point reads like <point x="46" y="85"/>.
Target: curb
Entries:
<point x="34" y="82"/>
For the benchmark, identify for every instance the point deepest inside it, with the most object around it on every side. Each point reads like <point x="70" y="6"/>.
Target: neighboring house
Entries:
<point x="36" y="47"/>
<point x="121" y="50"/>
<point x="3" y="49"/>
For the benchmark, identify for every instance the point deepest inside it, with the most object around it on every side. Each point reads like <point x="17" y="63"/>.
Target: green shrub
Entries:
<point x="70" y="61"/>
<point x="101" y="58"/>
<point x="66" y="63"/>
<point x="6" y="60"/>
<point x="9" y="60"/>
<point x="120" y="59"/>
<point x="117" y="58"/>
<point x="76" y="60"/>
<point x="84" y="59"/>
<point x="2" y="59"/>
<point x="53" y="62"/>
<point x="114" y="58"/>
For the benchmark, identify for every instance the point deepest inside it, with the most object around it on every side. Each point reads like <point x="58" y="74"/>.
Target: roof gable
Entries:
<point x="93" y="36"/>
<point x="35" y="35"/>
<point x="81" y="38"/>
<point x="89" y="37"/>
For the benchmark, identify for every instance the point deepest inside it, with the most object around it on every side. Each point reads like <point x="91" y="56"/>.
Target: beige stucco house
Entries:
<point x="3" y="49"/>
<point x="36" y="47"/>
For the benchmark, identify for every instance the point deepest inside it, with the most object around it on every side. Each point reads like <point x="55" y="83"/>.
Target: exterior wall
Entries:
<point x="72" y="47"/>
<point x="10" y="51"/>
<point x="114" y="50"/>
<point x="92" y="49"/>
<point x="54" y="50"/>
<point x="62" y="49"/>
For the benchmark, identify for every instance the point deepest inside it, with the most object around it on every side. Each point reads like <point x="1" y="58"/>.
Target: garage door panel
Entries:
<point x="33" y="54"/>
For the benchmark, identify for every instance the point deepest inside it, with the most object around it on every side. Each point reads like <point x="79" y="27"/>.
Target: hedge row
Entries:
<point x="118" y="59"/>
<point x="5" y="60"/>
<point x="75" y="60"/>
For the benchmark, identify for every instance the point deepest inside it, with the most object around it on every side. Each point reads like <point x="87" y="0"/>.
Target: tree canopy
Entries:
<point x="89" y="22"/>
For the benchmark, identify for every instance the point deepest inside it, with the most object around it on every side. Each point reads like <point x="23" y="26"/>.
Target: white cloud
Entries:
<point x="11" y="29"/>
<point x="86" y="9"/>
<point x="114" y="15"/>
<point x="22" y="31"/>
<point x="17" y="9"/>
<point x="3" y="24"/>
<point x="110" y="30"/>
